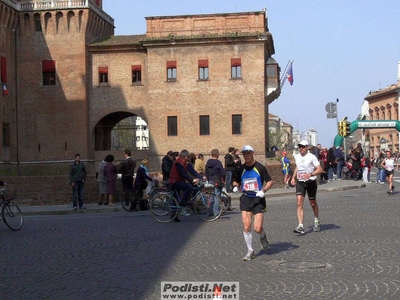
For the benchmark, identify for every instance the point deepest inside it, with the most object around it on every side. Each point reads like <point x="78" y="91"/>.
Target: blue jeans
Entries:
<point x="378" y="175"/>
<point x="185" y="188"/>
<point x="228" y="181"/>
<point x="330" y="173"/>
<point x="77" y="193"/>
<point x="339" y="168"/>
<point x="217" y="205"/>
<point x="383" y="175"/>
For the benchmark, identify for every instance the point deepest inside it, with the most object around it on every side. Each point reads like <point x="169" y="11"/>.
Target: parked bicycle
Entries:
<point x="10" y="212"/>
<point x="155" y="188"/>
<point x="226" y="200"/>
<point x="164" y="206"/>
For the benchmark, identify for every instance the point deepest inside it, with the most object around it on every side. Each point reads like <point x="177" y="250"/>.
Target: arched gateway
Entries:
<point x="121" y="130"/>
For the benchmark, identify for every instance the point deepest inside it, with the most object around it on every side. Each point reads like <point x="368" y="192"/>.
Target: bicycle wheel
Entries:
<point x="206" y="208"/>
<point x="12" y="215"/>
<point x="225" y="199"/>
<point x="128" y="201"/>
<point x="164" y="207"/>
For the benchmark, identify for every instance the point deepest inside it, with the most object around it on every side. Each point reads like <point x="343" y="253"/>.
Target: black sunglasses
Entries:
<point x="301" y="146"/>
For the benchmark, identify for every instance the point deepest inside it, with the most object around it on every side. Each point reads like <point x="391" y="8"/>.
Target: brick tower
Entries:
<point x="45" y="111"/>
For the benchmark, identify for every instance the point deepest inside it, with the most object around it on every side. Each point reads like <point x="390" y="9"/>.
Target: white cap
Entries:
<point x="303" y="143"/>
<point x="247" y="148"/>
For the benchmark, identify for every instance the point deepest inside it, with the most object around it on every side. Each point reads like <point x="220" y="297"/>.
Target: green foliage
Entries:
<point x="278" y="138"/>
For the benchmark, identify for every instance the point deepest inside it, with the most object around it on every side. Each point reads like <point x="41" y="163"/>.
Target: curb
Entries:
<point x="66" y="210"/>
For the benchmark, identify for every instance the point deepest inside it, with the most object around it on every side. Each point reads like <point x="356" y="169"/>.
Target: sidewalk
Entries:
<point x="336" y="185"/>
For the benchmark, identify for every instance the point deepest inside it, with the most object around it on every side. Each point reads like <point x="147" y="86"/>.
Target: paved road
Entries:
<point x="120" y="255"/>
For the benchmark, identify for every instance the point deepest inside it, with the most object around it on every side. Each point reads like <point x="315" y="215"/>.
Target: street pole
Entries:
<point x="337" y="114"/>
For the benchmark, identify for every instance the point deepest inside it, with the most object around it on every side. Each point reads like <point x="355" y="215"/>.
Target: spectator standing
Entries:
<point x="357" y="163"/>
<point x="229" y="168"/>
<point x="111" y="174"/>
<point x="339" y="159"/>
<point x="397" y="156"/>
<point x="101" y="179"/>
<point x="77" y="177"/>
<point x="142" y="175"/>
<point x="331" y="164"/>
<point x="255" y="181"/>
<point x="166" y="165"/>
<point x="317" y="150"/>
<point x="126" y="168"/>
<point x="380" y="177"/>
<point x="238" y="162"/>
<point x="200" y="165"/>
<point x="323" y="158"/>
<point x="307" y="169"/>
<point x="215" y="172"/>
<point x="366" y="168"/>
<point x="191" y="167"/>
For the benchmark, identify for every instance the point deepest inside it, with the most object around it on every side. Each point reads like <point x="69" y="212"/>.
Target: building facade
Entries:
<point x="197" y="82"/>
<point x="383" y="105"/>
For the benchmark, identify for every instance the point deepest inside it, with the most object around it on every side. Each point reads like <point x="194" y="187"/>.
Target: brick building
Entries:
<point x="199" y="82"/>
<point x="383" y="105"/>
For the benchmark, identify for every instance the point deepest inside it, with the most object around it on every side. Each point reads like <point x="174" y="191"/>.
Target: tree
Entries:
<point x="279" y="138"/>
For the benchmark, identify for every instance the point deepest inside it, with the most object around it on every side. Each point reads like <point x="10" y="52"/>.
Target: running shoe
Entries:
<point x="264" y="242"/>
<point x="317" y="226"/>
<point x="249" y="256"/>
<point x="299" y="229"/>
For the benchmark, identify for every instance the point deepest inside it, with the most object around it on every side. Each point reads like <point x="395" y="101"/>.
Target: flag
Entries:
<point x="5" y="90"/>
<point x="289" y="74"/>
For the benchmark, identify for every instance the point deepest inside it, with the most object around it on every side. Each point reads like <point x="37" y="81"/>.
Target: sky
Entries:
<point x="341" y="49"/>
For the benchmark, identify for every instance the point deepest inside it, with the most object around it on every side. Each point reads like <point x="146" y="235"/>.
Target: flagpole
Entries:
<point x="283" y="78"/>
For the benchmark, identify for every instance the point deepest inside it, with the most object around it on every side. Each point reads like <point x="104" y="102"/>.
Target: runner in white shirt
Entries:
<point x="307" y="169"/>
<point x="388" y="164"/>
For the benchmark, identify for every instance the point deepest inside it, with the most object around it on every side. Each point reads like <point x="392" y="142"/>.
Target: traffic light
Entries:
<point x="347" y="130"/>
<point x="339" y="124"/>
<point x="342" y="128"/>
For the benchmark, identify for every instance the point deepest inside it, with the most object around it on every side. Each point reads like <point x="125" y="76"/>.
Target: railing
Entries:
<point x="40" y="5"/>
<point x="54" y="4"/>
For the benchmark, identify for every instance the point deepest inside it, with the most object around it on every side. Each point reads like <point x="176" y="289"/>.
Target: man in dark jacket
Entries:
<point x="229" y="168"/>
<point x="126" y="168"/>
<point x="77" y="177"/>
<point x="166" y="165"/>
<point x="215" y="173"/>
<point x="339" y="157"/>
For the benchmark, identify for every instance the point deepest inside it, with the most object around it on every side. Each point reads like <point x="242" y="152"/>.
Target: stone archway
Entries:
<point x="121" y="130"/>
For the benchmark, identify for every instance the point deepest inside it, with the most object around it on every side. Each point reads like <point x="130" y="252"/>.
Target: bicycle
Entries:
<point x="226" y="200"/>
<point x="155" y="188"/>
<point x="10" y="212"/>
<point x="165" y="207"/>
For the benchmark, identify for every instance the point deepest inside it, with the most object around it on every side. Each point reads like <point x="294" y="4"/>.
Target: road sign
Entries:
<point x="330" y="107"/>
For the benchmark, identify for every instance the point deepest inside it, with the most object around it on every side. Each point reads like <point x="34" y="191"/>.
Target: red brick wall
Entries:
<point x="42" y="190"/>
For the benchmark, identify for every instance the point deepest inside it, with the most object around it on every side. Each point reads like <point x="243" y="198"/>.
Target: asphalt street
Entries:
<point x="123" y="255"/>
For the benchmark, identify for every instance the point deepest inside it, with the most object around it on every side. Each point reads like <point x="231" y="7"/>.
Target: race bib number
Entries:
<point x="301" y="175"/>
<point x="250" y="184"/>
